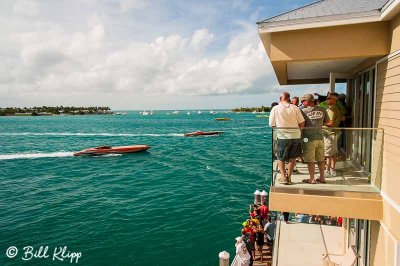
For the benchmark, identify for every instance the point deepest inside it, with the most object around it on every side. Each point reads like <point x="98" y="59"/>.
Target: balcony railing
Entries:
<point x="358" y="165"/>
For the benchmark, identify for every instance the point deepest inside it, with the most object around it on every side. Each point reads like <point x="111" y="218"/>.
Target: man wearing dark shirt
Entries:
<point x="314" y="117"/>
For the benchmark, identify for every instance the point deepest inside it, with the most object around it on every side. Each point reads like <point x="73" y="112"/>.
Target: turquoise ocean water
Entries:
<point x="180" y="203"/>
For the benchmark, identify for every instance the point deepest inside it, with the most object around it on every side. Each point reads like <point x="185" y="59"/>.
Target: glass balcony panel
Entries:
<point x="358" y="165"/>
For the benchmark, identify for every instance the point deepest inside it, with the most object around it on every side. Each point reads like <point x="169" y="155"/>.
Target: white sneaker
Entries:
<point x="327" y="173"/>
<point x="333" y="173"/>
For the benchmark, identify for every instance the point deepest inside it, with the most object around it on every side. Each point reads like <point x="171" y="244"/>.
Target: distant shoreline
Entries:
<point x="252" y="109"/>
<point x="58" y="111"/>
<point x="64" y="111"/>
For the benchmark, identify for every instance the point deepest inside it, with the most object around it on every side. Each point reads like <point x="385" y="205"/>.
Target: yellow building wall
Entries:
<point x="385" y="237"/>
<point x="387" y="116"/>
<point x="382" y="246"/>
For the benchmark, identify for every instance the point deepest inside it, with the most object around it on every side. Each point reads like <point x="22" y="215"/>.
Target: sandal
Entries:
<point x="308" y="181"/>
<point x="320" y="181"/>
<point x="295" y="171"/>
<point x="283" y="181"/>
<point x="289" y="181"/>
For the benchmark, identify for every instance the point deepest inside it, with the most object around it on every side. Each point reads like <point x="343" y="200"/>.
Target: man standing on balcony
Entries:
<point x="288" y="143"/>
<point x="315" y="117"/>
<point x="331" y="136"/>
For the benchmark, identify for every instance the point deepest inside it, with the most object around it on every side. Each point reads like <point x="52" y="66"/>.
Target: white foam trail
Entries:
<point x="109" y="155"/>
<point x="34" y="155"/>
<point x="91" y="134"/>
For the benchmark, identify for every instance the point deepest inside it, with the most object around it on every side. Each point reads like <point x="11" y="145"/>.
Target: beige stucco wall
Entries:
<point x="350" y="207"/>
<point x="395" y="29"/>
<point x="382" y="246"/>
<point x="338" y="42"/>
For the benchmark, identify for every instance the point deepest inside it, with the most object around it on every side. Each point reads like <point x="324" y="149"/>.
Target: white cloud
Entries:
<point x="64" y="60"/>
<point x="76" y="62"/>
<point x="26" y="8"/>
<point x="127" y="5"/>
<point x="201" y="39"/>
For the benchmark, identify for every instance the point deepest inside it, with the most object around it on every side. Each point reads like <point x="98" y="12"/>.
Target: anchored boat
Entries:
<point x="103" y="150"/>
<point x="201" y="133"/>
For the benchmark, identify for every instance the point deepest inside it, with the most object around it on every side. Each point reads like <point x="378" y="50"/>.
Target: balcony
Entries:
<point x="353" y="192"/>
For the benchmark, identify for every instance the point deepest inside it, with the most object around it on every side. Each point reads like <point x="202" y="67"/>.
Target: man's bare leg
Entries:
<point x="281" y="165"/>
<point x="328" y="163"/>
<point x="311" y="170"/>
<point x="333" y="162"/>
<point x="321" y="168"/>
<point x="291" y="165"/>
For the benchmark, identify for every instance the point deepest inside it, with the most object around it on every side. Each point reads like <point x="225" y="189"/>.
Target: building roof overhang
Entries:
<point x="324" y="44"/>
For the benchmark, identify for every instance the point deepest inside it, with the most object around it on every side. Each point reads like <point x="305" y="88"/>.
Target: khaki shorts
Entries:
<point x="314" y="151"/>
<point x="330" y="141"/>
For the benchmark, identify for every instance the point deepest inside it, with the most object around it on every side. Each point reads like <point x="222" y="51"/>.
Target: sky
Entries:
<point x="138" y="54"/>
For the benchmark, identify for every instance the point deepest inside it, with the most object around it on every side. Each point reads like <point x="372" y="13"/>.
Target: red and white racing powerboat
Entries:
<point x="103" y="150"/>
<point x="201" y="133"/>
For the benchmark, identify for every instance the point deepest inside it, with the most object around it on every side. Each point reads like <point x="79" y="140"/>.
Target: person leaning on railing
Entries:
<point x="288" y="143"/>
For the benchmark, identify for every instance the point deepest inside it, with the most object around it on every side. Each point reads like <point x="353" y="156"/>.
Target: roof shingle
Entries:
<point x="324" y="8"/>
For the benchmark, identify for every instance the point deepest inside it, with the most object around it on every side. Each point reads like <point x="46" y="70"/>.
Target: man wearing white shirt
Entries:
<point x="243" y="256"/>
<point x="288" y="144"/>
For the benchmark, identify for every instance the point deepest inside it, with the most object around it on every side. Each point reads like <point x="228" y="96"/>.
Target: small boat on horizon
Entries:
<point x="222" y="119"/>
<point x="103" y="150"/>
<point x="147" y="113"/>
<point x="201" y="133"/>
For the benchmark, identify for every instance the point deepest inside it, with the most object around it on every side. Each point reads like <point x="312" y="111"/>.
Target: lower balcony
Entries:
<point x="311" y="244"/>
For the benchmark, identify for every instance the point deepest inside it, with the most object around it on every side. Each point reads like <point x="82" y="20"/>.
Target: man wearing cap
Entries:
<point x="315" y="117"/>
<point x="243" y="255"/>
<point x="288" y="143"/>
<point x="331" y="136"/>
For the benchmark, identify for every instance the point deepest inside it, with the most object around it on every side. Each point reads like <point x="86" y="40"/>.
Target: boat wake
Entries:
<point x="34" y="155"/>
<point x="91" y="134"/>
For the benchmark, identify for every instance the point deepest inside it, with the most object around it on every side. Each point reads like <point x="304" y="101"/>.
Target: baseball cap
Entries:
<point x="307" y="97"/>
